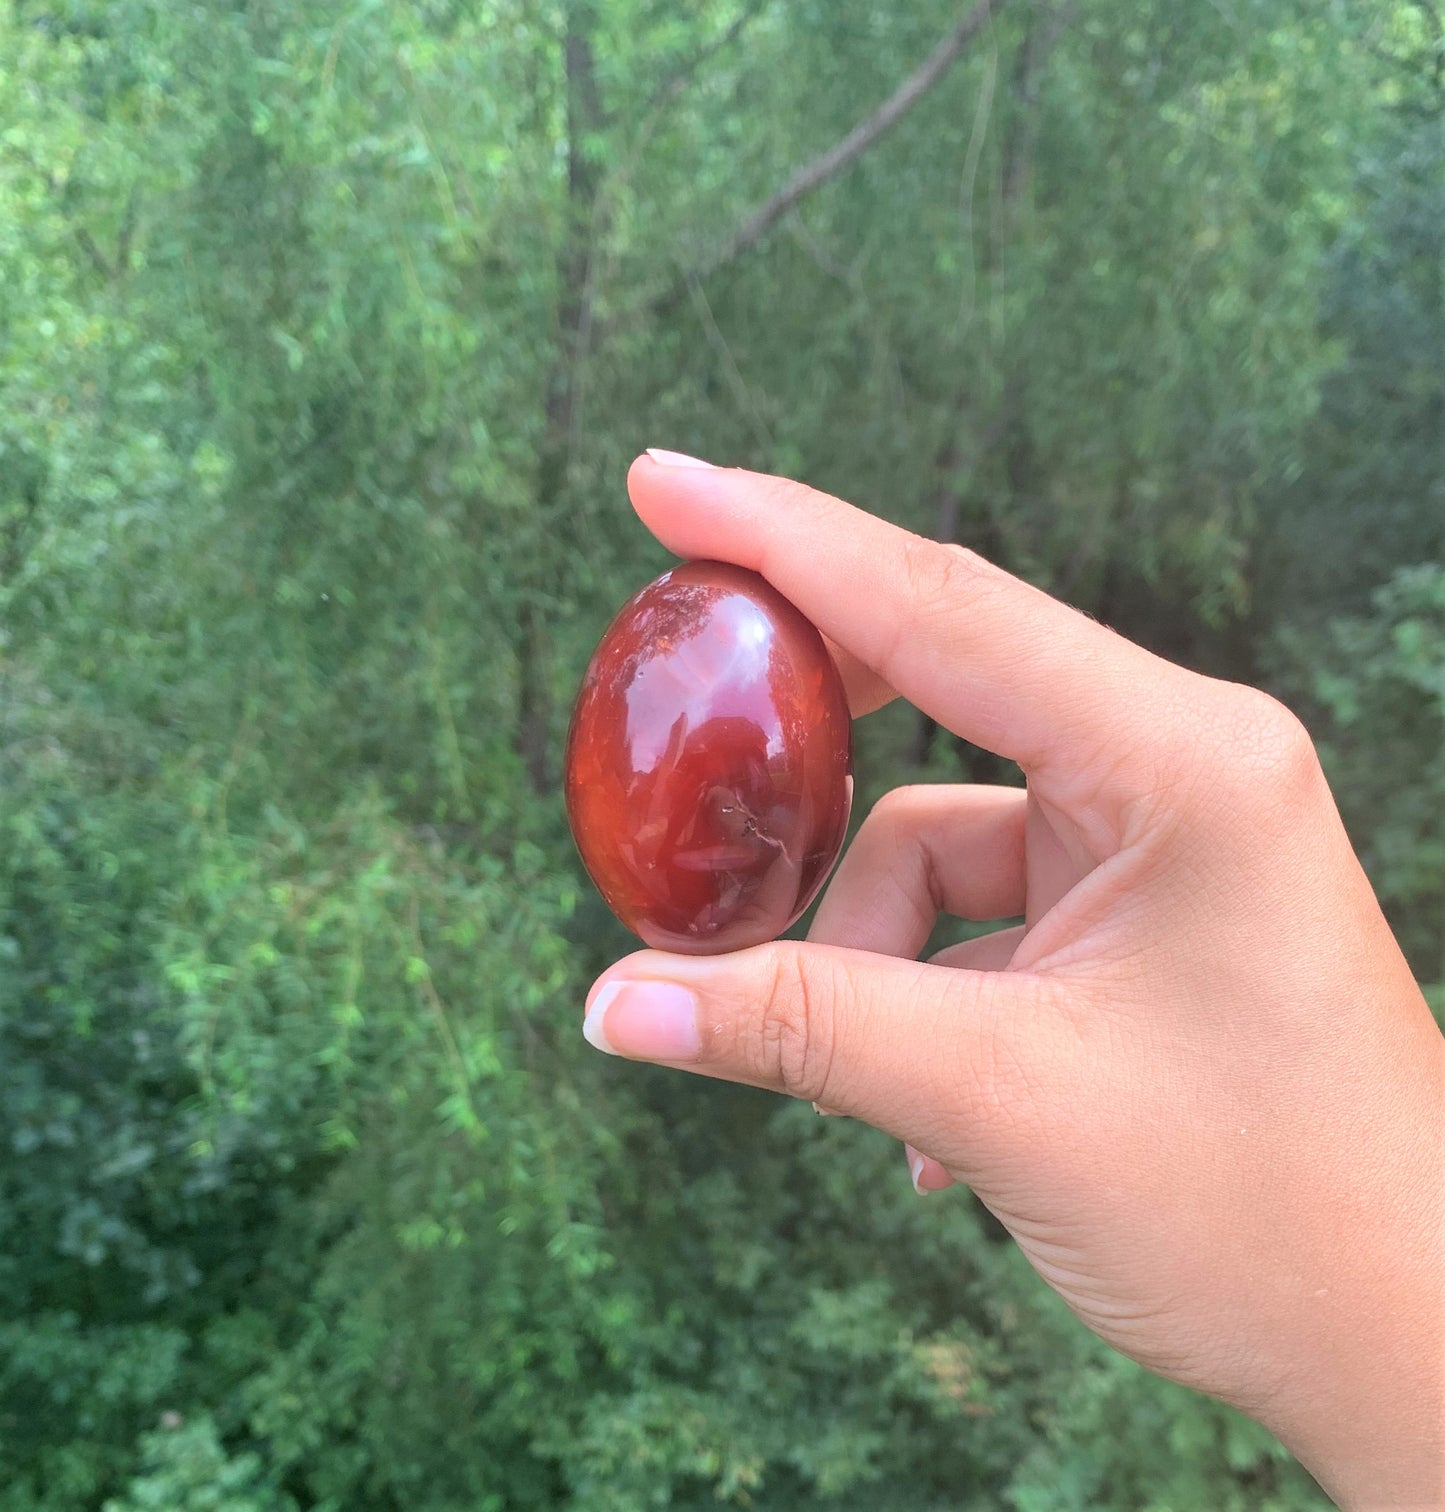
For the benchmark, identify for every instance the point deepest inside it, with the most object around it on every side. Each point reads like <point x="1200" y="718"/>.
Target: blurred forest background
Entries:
<point x="327" y="331"/>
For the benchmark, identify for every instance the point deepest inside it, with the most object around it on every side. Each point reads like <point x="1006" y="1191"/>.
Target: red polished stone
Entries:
<point x="709" y="765"/>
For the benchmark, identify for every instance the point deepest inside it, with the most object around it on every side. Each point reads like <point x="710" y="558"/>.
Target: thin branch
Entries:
<point x="1034" y="54"/>
<point x="601" y="262"/>
<point x="675" y="83"/>
<point x="1025" y="91"/>
<point x="731" y="371"/>
<point x="1410" y="67"/>
<point x="1059" y="23"/>
<point x="840" y="156"/>
<point x="127" y="231"/>
<point x="1437" y="42"/>
<point x="108" y="270"/>
<point x="982" y="114"/>
<point x="1033" y="58"/>
<point x="848" y="277"/>
<point x="91" y="248"/>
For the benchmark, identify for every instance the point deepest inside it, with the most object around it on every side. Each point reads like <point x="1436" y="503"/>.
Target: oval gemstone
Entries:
<point x="709" y="764"/>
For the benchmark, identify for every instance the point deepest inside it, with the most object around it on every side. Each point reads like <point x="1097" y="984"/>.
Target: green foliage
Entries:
<point x="185" y="1469"/>
<point x="327" y="328"/>
<point x="1378" y="681"/>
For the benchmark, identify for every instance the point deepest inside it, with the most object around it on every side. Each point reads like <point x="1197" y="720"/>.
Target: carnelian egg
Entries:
<point x="709" y="764"/>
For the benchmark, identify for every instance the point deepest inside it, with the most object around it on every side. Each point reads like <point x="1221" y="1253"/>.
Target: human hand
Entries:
<point x="1199" y="1085"/>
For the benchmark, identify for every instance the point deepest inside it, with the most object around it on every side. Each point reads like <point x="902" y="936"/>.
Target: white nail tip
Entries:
<point x="915" y="1170"/>
<point x="675" y="459"/>
<point x="593" y="1029"/>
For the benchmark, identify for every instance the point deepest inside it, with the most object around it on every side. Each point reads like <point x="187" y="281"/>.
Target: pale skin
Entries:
<point x="1199" y="1085"/>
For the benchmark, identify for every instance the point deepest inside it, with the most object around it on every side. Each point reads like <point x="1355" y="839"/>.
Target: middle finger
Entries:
<point x="921" y="852"/>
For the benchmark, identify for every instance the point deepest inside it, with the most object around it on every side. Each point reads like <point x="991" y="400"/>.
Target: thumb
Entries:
<point x="911" y="1048"/>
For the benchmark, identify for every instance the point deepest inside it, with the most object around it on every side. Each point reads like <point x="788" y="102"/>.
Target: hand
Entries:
<point x="1199" y="1085"/>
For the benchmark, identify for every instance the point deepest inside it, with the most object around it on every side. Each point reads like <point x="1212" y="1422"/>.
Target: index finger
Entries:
<point x="985" y="654"/>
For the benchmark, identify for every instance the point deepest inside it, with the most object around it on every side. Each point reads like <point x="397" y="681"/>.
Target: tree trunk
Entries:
<point x="584" y="117"/>
<point x="1011" y="429"/>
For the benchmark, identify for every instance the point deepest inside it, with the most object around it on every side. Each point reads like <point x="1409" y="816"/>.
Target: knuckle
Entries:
<point x="938" y="581"/>
<point x="892" y="814"/>
<point x="796" y="1032"/>
<point x="798" y="501"/>
<point x="1257" y="772"/>
<point x="805" y="507"/>
<point x="1270" y="740"/>
<point x="939" y="576"/>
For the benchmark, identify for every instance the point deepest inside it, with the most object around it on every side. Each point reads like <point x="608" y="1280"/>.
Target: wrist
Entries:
<point x="1367" y="1415"/>
<point x="1383" y="1455"/>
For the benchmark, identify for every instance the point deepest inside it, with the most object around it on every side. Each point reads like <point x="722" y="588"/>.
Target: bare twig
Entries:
<point x="600" y="261"/>
<point x="1016" y="166"/>
<point x="99" y="261"/>
<point x="127" y="231"/>
<point x="731" y="371"/>
<point x="847" y="276"/>
<point x="676" y="82"/>
<point x="110" y="270"/>
<point x="1033" y="56"/>
<point x="1437" y="42"/>
<point x="846" y="152"/>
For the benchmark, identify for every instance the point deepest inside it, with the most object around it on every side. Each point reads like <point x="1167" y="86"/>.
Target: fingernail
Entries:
<point x="675" y="459"/>
<point x="654" y="1021"/>
<point x="915" y="1170"/>
<point x="823" y="1112"/>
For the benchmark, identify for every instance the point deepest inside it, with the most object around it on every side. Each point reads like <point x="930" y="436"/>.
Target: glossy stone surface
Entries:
<point x="709" y="765"/>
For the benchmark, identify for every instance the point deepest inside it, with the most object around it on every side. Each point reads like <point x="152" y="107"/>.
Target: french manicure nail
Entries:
<point x="592" y="1030"/>
<point x="652" y="1021"/>
<point x="675" y="459"/>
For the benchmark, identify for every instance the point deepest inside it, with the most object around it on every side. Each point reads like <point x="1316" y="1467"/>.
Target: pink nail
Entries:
<point x="675" y="459"/>
<point x="652" y="1021"/>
